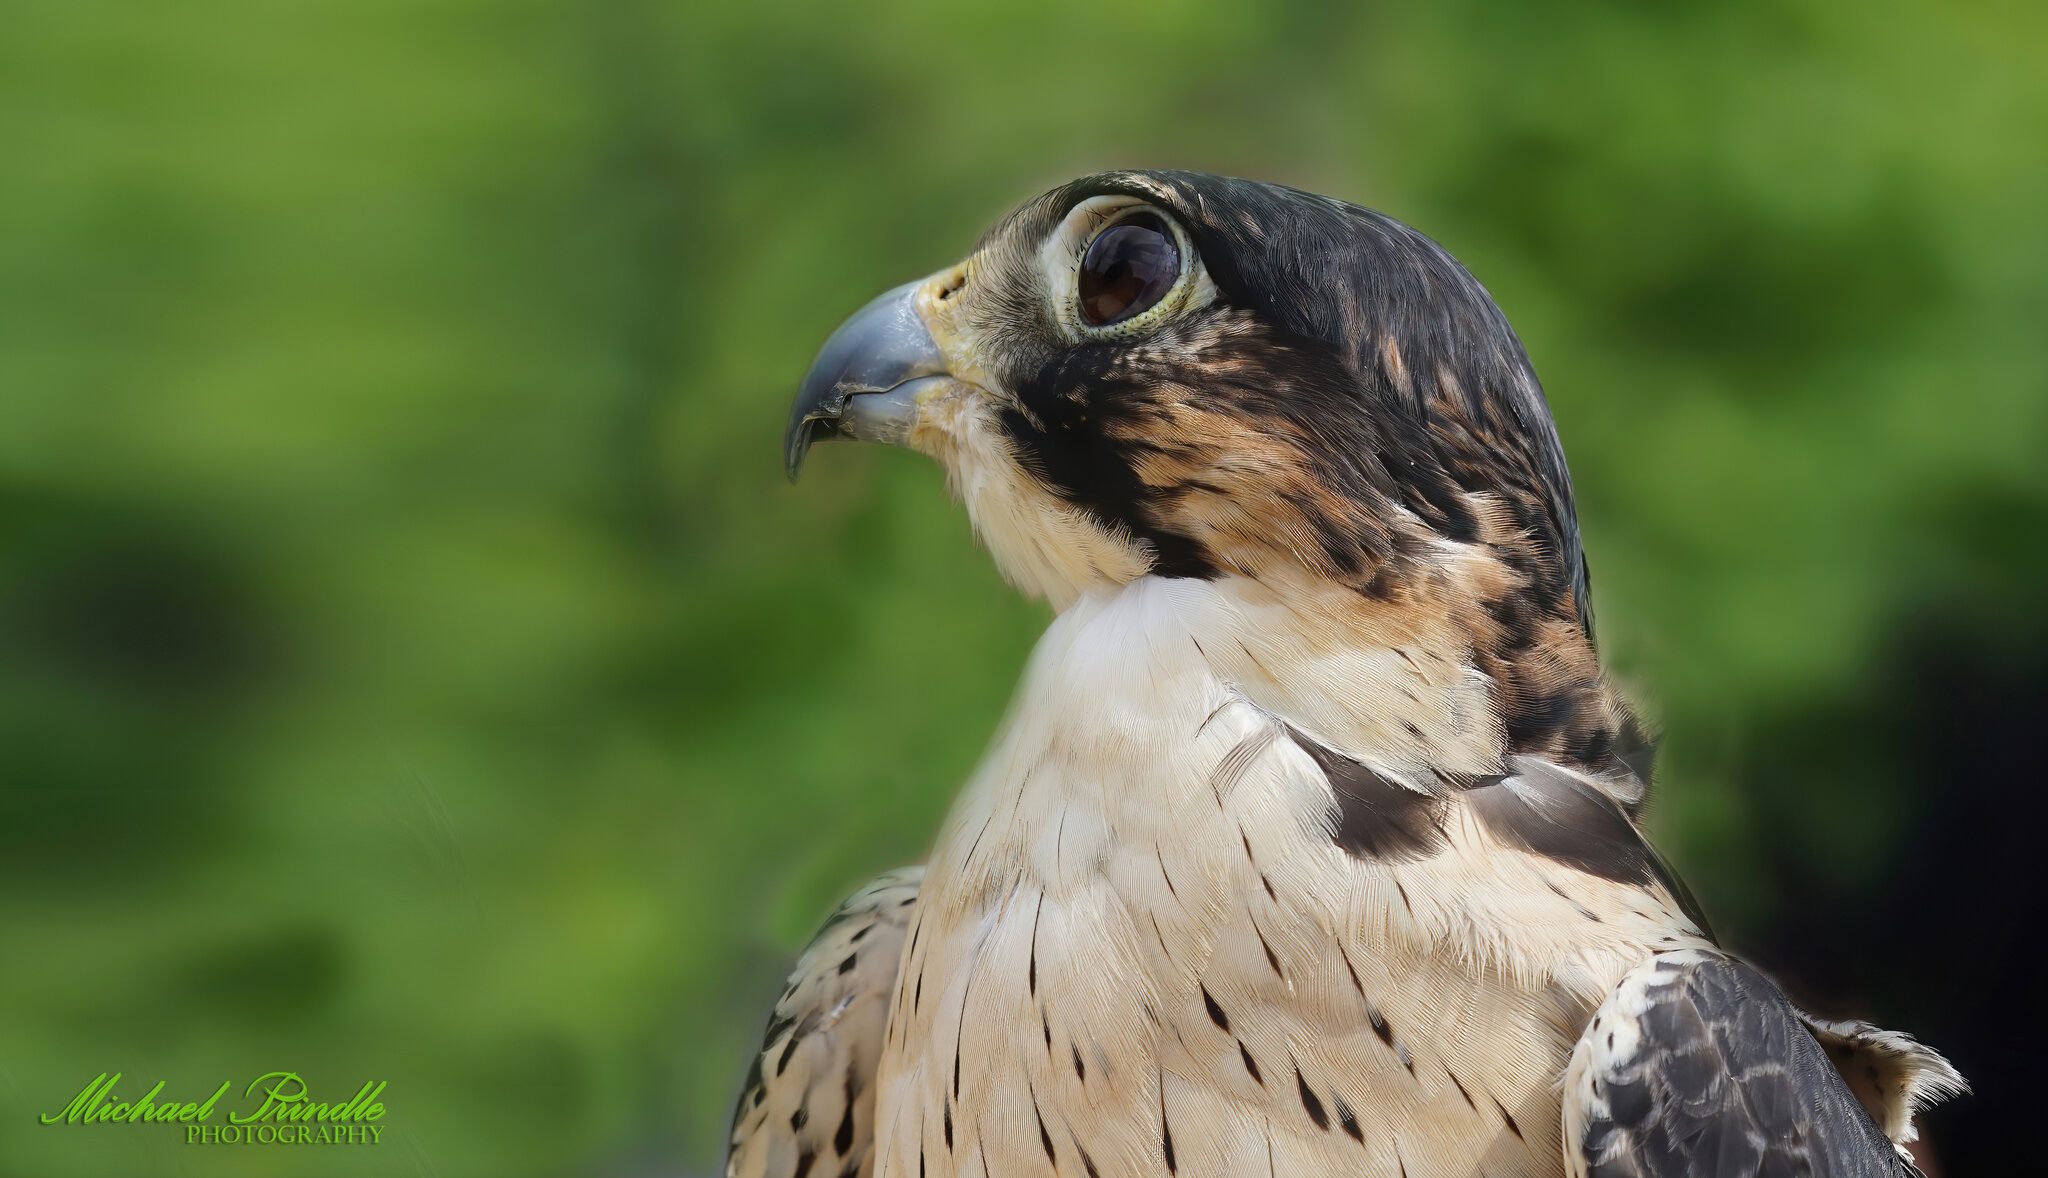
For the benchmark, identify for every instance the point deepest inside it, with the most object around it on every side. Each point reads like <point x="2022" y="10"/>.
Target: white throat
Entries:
<point x="1136" y="696"/>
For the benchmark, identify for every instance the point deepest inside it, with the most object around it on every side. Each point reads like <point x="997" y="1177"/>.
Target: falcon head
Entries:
<point x="1181" y="375"/>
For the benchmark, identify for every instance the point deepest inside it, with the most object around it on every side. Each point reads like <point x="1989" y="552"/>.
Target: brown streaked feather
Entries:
<point x="808" y="1105"/>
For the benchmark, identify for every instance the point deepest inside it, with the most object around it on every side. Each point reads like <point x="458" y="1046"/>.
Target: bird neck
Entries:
<point x="1434" y="675"/>
<point x="1142" y="703"/>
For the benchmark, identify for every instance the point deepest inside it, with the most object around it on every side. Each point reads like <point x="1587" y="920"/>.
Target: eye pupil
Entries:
<point x="1129" y="267"/>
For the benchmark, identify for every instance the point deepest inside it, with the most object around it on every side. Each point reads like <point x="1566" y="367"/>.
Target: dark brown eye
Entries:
<point x="1129" y="266"/>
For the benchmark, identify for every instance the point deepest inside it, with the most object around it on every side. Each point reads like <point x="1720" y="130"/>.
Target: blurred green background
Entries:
<point x="413" y="665"/>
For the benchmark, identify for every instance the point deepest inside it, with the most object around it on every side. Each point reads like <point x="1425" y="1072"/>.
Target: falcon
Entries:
<point x="1311" y="845"/>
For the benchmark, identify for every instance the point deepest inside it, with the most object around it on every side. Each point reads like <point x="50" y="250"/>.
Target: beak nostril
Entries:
<point x="954" y="285"/>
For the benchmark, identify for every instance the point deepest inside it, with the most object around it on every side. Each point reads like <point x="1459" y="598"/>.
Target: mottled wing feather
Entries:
<point x="1892" y="1074"/>
<point x="1697" y="1065"/>
<point x="808" y="1104"/>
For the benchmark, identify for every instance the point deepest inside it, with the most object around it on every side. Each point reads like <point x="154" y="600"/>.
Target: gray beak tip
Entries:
<point x="883" y="347"/>
<point x="796" y="441"/>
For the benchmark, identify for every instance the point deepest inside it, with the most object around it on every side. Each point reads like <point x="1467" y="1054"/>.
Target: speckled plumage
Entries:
<point x="1697" y="1065"/>
<point x="808" y="1103"/>
<point x="1309" y="847"/>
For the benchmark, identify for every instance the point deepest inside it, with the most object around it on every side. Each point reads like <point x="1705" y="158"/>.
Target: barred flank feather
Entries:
<point x="809" y="1100"/>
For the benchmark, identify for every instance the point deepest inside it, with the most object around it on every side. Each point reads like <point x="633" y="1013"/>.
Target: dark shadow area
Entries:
<point x="1936" y="941"/>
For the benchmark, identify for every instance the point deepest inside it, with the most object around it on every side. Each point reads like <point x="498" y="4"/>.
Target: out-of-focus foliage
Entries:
<point x="413" y="665"/>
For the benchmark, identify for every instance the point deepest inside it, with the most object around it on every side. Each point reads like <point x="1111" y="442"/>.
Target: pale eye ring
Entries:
<point x="1127" y="269"/>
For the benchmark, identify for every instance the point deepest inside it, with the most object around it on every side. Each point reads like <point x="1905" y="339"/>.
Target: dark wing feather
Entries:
<point x="1581" y="821"/>
<point x="808" y="1104"/>
<point x="1698" y="1066"/>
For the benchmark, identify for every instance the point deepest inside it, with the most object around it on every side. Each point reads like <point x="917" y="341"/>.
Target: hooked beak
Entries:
<point x="866" y="379"/>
